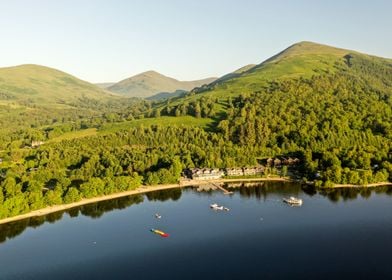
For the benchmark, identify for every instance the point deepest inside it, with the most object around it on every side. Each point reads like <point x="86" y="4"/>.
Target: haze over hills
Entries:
<point x="104" y="85"/>
<point x="150" y="83"/>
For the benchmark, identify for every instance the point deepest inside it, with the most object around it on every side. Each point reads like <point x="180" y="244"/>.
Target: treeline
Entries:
<point x="205" y="107"/>
<point x="68" y="171"/>
<point x="21" y="126"/>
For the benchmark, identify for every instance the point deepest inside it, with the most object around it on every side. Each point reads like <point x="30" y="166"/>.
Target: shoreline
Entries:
<point x="140" y="190"/>
<point x="145" y="189"/>
<point x="372" y="185"/>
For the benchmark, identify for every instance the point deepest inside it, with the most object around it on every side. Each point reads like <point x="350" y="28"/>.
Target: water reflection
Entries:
<point x="93" y="210"/>
<point x="259" y="190"/>
<point x="345" y="194"/>
<point x="164" y="195"/>
<point x="264" y="189"/>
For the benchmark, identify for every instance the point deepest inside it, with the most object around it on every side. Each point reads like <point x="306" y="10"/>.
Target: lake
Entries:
<point x="335" y="234"/>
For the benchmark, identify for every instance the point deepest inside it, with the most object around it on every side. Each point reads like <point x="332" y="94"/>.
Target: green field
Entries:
<point x="74" y="135"/>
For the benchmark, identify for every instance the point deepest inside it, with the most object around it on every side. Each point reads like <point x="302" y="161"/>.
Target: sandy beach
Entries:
<point x="139" y="190"/>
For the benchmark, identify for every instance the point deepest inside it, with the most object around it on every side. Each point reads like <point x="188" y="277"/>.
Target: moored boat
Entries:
<point x="293" y="201"/>
<point x="215" y="206"/>
<point x="158" y="216"/>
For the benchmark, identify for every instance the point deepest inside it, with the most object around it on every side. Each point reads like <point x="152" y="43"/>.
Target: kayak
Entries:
<point x="161" y="233"/>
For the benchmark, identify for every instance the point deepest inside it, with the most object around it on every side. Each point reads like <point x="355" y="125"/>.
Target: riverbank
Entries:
<point x="139" y="190"/>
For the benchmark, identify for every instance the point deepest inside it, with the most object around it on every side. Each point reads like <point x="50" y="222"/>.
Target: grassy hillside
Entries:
<point x="151" y="83"/>
<point x="41" y="85"/>
<point x="301" y="60"/>
<point x="33" y="96"/>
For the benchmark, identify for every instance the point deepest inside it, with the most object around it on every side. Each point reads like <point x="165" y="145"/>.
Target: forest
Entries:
<point x="338" y="123"/>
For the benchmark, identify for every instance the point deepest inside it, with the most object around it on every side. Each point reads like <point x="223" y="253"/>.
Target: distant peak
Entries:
<point x="312" y="47"/>
<point x="151" y="73"/>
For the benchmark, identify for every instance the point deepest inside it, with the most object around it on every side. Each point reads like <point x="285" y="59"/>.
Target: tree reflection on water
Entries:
<point x="260" y="191"/>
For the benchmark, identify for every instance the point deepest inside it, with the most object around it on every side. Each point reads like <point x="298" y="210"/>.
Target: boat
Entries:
<point x="159" y="232"/>
<point x="215" y="206"/>
<point x="293" y="201"/>
<point x="158" y="216"/>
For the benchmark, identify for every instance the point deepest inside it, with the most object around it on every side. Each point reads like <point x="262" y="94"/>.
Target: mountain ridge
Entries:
<point x="42" y="84"/>
<point x="150" y="83"/>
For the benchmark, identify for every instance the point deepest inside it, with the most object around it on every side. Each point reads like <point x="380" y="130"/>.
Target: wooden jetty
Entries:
<point x="222" y="189"/>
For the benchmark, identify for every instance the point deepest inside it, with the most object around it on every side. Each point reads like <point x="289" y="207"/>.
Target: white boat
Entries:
<point x="215" y="206"/>
<point x="293" y="201"/>
<point x="158" y="216"/>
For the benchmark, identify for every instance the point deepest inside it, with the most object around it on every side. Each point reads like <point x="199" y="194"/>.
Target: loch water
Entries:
<point x="336" y="234"/>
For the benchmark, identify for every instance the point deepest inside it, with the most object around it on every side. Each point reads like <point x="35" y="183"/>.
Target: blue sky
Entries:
<point x="110" y="40"/>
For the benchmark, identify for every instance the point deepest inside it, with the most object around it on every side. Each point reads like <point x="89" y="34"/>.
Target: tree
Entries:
<point x="72" y="195"/>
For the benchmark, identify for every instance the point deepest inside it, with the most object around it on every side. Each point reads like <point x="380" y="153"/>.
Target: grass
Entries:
<point x="74" y="134"/>
<point x="300" y="60"/>
<point x="44" y="85"/>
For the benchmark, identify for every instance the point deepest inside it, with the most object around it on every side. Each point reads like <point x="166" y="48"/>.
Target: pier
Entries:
<point x="222" y="189"/>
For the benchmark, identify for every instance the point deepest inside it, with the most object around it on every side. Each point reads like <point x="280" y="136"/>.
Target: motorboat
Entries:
<point x="158" y="216"/>
<point x="293" y="201"/>
<point x="215" y="206"/>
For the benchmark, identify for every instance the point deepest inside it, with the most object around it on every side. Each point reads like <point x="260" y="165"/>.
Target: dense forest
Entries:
<point x="338" y="122"/>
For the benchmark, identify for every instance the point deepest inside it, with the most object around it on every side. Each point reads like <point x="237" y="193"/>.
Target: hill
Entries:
<point x="151" y="83"/>
<point x="329" y="108"/>
<point x="301" y="60"/>
<point x="42" y="85"/>
<point x="37" y="96"/>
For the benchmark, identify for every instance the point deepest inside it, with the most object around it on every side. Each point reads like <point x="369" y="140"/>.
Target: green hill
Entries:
<point x="152" y="83"/>
<point x="38" y="96"/>
<point x="331" y="106"/>
<point x="301" y="60"/>
<point x="41" y="85"/>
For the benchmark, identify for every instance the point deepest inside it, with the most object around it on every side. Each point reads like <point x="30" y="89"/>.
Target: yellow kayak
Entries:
<point x="161" y="233"/>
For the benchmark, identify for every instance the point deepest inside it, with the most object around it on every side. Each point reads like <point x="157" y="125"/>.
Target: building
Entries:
<point x="205" y="173"/>
<point x="253" y="170"/>
<point x="234" y="172"/>
<point x="277" y="162"/>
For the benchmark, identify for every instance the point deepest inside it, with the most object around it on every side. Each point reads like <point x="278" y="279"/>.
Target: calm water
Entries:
<point x="343" y="234"/>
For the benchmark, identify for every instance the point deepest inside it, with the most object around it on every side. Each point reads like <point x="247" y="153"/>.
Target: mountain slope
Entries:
<point x="330" y="107"/>
<point x="45" y="86"/>
<point x="299" y="61"/>
<point x="151" y="83"/>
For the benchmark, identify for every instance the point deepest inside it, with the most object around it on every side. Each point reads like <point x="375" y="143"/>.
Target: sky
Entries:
<point x="110" y="40"/>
